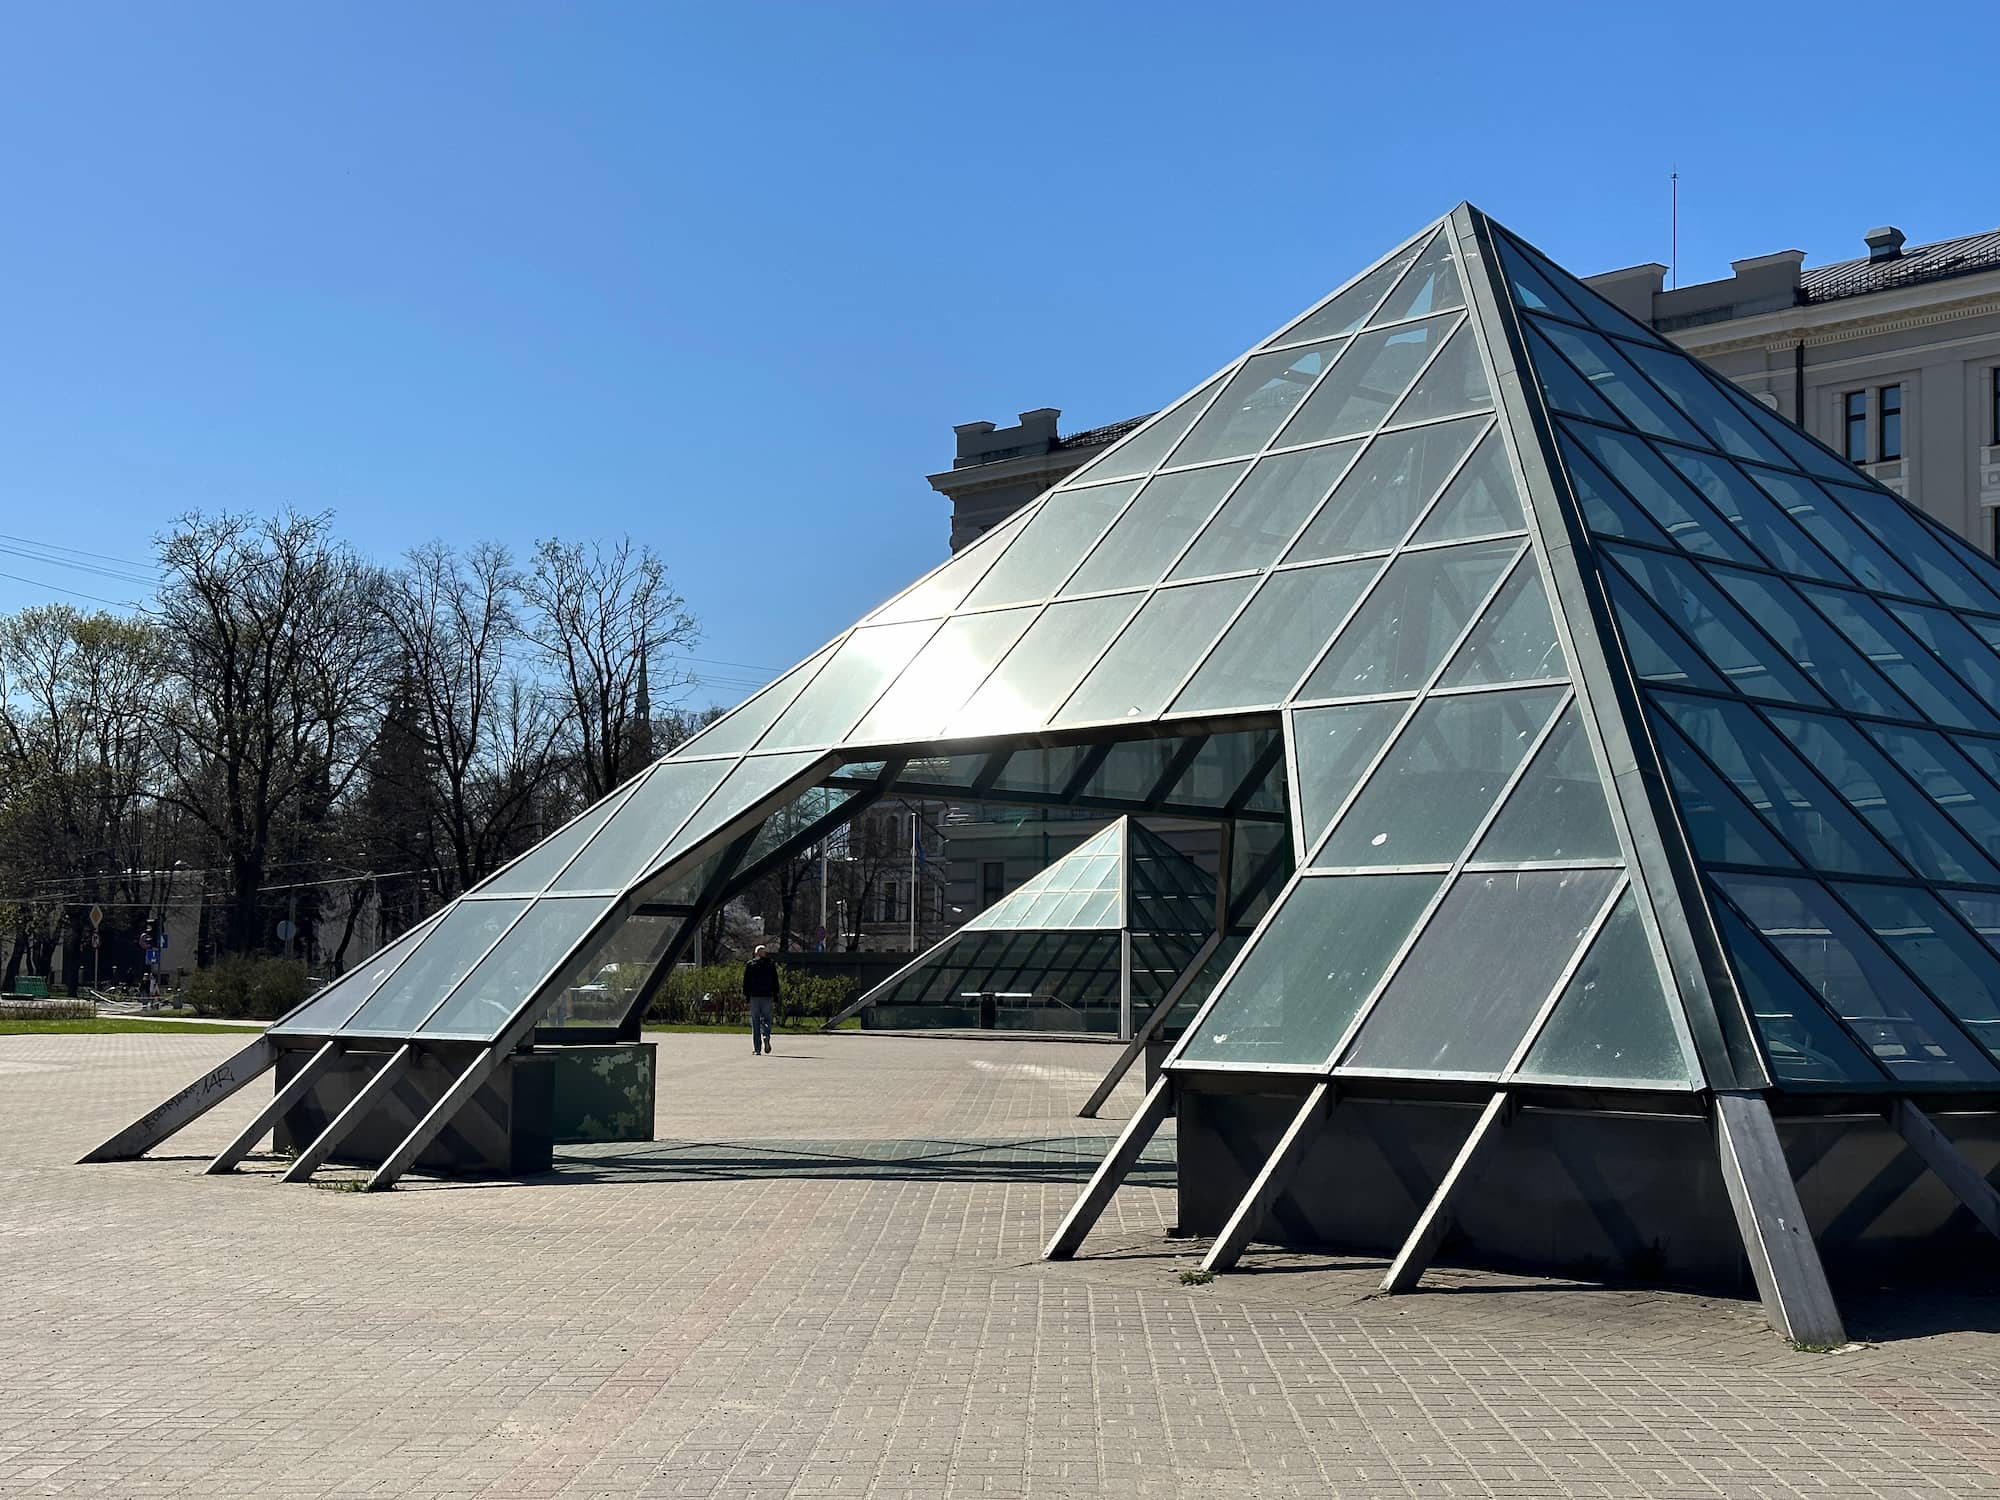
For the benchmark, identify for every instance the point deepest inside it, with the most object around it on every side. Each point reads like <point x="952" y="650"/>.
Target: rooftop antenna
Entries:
<point x="1674" y="227"/>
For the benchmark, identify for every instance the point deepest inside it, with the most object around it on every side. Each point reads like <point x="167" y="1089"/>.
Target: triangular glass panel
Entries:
<point x="1657" y="651"/>
<point x="1142" y="451"/>
<point x="1607" y="509"/>
<point x="1445" y="771"/>
<point x="1405" y="628"/>
<point x="1385" y="492"/>
<point x="1959" y="971"/>
<point x="1514" y="640"/>
<point x="447" y="954"/>
<point x="1557" y="809"/>
<point x="1269" y="646"/>
<point x="1566" y="390"/>
<point x="1724" y="634"/>
<point x="1595" y="309"/>
<point x="1431" y="286"/>
<point x="1161" y="520"/>
<point x="754" y="779"/>
<point x="1638" y="401"/>
<point x="1366" y="384"/>
<point x="1472" y="946"/>
<point x="738" y="731"/>
<point x="1719" y="823"/>
<point x="1481" y="499"/>
<point x="1305" y="975"/>
<point x="518" y="965"/>
<point x="1265" y="391"/>
<point x="627" y="842"/>
<point x="1345" y="312"/>
<point x="531" y="873"/>
<point x="1844" y="538"/>
<point x="1044" y="665"/>
<point x="1334" y="746"/>
<point x="1613" y="1023"/>
<point x="1531" y="289"/>
<point x="945" y="589"/>
<point x="1893" y="652"/>
<point x="1774" y="534"/>
<point x="1454" y="382"/>
<point x="866" y="663"/>
<point x="1720" y="422"/>
<point x="1916" y="545"/>
<point x="1804" y="1045"/>
<point x="1667" y="498"/>
<point x="1946" y="777"/>
<point x="1141" y="670"/>
<point x="1066" y="526"/>
<point x="1803" y="636"/>
<point x="1265" y="511"/>
<point x="944" y="674"/>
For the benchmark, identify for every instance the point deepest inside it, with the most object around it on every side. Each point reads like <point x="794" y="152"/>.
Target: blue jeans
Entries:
<point x="761" y="1007"/>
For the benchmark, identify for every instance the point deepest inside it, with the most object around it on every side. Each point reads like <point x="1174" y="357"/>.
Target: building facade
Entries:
<point x="1892" y="359"/>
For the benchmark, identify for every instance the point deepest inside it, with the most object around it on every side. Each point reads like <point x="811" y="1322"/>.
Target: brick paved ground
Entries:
<point x="826" y="1285"/>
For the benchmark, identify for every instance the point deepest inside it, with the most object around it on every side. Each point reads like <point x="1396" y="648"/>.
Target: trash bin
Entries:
<point x="989" y="1011"/>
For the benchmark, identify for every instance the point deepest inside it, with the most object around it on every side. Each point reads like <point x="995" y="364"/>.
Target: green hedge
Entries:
<point x="801" y="996"/>
<point x="258" y="989"/>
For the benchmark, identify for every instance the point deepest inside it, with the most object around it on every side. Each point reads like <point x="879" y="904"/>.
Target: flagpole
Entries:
<point x="913" y="879"/>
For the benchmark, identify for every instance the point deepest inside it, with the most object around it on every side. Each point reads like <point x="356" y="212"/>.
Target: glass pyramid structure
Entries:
<point x="1080" y="946"/>
<point x="1629" y="742"/>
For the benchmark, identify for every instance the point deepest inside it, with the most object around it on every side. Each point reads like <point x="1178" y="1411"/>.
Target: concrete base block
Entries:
<point x="504" y="1129"/>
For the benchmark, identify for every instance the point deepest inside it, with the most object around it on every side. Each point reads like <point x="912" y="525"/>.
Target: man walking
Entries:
<point x="760" y="988"/>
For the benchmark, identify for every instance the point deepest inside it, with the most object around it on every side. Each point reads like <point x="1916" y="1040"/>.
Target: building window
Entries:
<point x="1857" y="427"/>
<point x="885" y="910"/>
<point x="1892" y="421"/>
<point x="992" y="882"/>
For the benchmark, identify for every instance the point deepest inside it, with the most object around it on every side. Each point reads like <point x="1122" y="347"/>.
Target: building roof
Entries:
<point x="1917" y="264"/>
<point x="1110" y="432"/>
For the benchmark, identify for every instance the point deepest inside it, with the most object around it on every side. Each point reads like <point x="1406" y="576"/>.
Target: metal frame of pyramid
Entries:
<point x="1639" y="758"/>
<point x="1100" y="937"/>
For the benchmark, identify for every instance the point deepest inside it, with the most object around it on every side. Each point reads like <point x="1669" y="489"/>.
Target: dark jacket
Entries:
<point x="760" y="979"/>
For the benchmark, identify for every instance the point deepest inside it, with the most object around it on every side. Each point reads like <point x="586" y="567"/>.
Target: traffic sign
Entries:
<point x="97" y="916"/>
<point x="163" y="939"/>
<point x="152" y="957"/>
<point x="96" y="941"/>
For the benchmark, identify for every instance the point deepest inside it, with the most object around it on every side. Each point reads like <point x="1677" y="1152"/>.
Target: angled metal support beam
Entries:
<point x="990" y="772"/>
<point x="342" y="1125"/>
<point x="1111" y="1172"/>
<point x="281" y="1100"/>
<point x="449" y="1103"/>
<point x="1259" y="879"/>
<point x="1783" y="1258"/>
<point x="1176" y="768"/>
<point x="189" y="1105"/>
<point x="1271" y="1180"/>
<point x="1968" y="1185"/>
<point x="1148" y="1029"/>
<point x="1092" y="762"/>
<point x="1259" y="772"/>
<point x="1415" y="1257"/>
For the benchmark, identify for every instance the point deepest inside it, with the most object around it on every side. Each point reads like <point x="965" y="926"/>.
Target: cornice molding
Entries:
<point x="1846" y="331"/>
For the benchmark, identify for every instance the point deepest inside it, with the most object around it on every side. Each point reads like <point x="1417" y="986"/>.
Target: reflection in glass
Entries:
<point x="445" y="956"/>
<point x="1613" y="1023"/>
<point x="865" y="663"/>
<point x="646" y="820"/>
<point x="1806" y="638"/>
<point x="1269" y="646"/>
<point x="1386" y="490"/>
<point x="1146" y="663"/>
<point x="1040" y="671"/>
<point x="1049" y="545"/>
<point x="1265" y="511"/>
<point x="1413" y="617"/>
<point x="1803" y="1044"/>
<point x="1366" y="384"/>
<point x="1430" y="287"/>
<point x="1664" y="495"/>
<point x="1255" y="403"/>
<point x="1723" y="632"/>
<point x="944" y="674"/>
<point x="511" y="975"/>
<point x="1161" y="521"/>
<point x="1959" y="970"/>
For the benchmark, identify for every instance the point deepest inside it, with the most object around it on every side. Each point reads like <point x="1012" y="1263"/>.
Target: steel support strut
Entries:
<point x="281" y="1100"/>
<point x="342" y="1125"/>
<point x="1155" y="1019"/>
<point x="1096" y="1196"/>
<point x="190" y="1104"/>
<point x="1415" y="1257"/>
<point x="1967" y="1183"/>
<point x="463" y="1088"/>
<point x="1783" y="1258"/>
<point x="1271" y="1180"/>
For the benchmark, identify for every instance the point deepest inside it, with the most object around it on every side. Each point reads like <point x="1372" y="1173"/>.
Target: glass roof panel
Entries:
<point x="1661" y="492"/>
<point x="1803" y="1043"/>
<point x="1347" y="311"/>
<point x="1981" y="910"/>
<point x="1566" y="390"/>
<point x="1531" y="289"/>
<point x="531" y="873"/>
<point x="1142" y="451"/>
<point x="1270" y="645"/>
<point x="1386" y="491"/>
<point x="1334" y="747"/>
<point x="1557" y="809"/>
<point x="1897" y="656"/>
<point x="1454" y="383"/>
<point x="1367" y="382"/>
<point x="603" y="980"/>
<point x="1774" y="533"/>
<point x="754" y="779"/>
<point x="1514" y="640"/>
<point x="1607" y="509"/>
<point x="945" y="589"/>
<point x="1504" y="936"/>
<point x="1614" y="1023"/>
<point x="1904" y="818"/>
<point x="1595" y="309"/>
<point x="1719" y="823"/>
<point x="867" y="661"/>
<point x="445" y="956"/>
<point x="329" y="1010"/>
<point x="1446" y="769"/>
<point x="1306" y="973"/>
<point x="1266" y="510"/>
<point x="1847" y="969"/>
<point x="1964" y="654"/>
<point x="1658" y="652"/>
<point x="1431" y="286"/>
<point x="1145" y="664"/>
<point x="1038" y="770"/>
<point x="1164" y="518"/>
<point x="648" y="818"/>
<point x="1042" y="669"/>
<point x="1805" y="637"/>
<point x="1775" y="782"/>
<point x="1265" y="391"/>
<point x="1480" y="500"/>
<point x="1720" y="421"/>
<point x="737" y="732"/>
<point x="1724" y="633"/>
<point x="1958" y="969"/>
<point x="1131" y="771"/>
<point x="943" y="675"/>
<point x="1917" y="546"/>
<point x="510" y="976"/>
<point x="1611" y="376"/>
<point x="1946" y="777"/>
<point x="1844" y="538"/>
<point x="1037" y="562"/>
<point x="1414" y="616"/>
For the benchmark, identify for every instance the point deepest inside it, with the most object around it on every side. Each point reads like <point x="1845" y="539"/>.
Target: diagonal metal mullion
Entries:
<point x="343" y="1124"/>
<point x="1548" y="1006"/>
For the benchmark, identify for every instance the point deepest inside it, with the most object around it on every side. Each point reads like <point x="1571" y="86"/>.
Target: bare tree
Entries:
<point x="596" y="614"/>
<point x="276" y="663"/>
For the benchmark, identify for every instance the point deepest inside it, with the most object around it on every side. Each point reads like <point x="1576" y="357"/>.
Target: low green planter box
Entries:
<point x="603" y="1093"/>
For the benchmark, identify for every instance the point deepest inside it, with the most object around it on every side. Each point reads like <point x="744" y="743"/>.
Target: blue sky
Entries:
<point x="724" y="276"/>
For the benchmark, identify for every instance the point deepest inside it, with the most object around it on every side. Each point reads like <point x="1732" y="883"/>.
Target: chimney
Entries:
<point x="1885" y="243"/>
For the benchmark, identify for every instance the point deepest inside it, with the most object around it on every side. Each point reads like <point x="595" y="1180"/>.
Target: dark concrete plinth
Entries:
<point x="603" y="1093"/>
<point x="504" y="1128"/>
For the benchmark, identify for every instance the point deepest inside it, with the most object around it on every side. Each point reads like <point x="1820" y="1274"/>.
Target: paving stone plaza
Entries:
<point x="823" y="1279"/>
